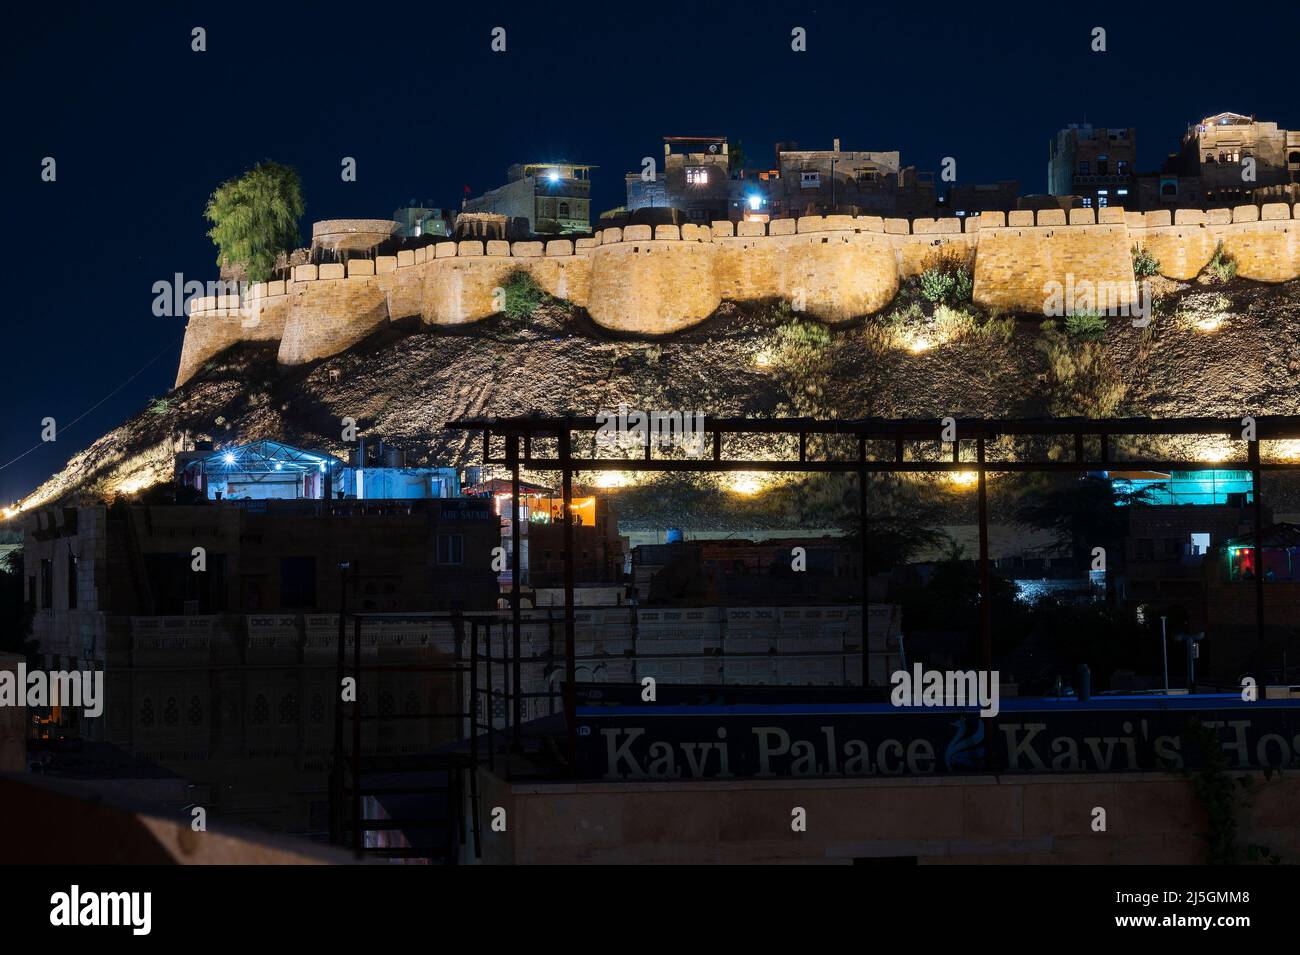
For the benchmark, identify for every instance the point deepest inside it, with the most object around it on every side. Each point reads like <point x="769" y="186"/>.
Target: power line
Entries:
<point x="65" y="427"/>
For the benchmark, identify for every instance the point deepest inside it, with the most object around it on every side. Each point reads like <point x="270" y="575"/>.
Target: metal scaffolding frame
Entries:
<point x="873" y="446"/>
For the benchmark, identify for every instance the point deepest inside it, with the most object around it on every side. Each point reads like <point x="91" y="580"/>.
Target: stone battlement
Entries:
<point x="655" y="280"/>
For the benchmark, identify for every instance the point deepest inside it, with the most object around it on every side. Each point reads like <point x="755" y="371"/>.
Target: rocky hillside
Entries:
<point x="1219" y="349"/>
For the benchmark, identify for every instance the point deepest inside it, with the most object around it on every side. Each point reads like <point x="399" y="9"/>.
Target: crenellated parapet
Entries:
<point x="655" y="280"/>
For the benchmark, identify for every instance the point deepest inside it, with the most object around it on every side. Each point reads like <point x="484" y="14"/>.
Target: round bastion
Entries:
<point x="352" y="235"/>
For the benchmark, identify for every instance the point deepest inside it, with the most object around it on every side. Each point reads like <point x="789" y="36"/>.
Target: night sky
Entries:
<point x="143" y="128"/>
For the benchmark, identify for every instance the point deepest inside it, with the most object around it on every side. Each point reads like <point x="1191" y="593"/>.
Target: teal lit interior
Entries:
<point x="1191" y="487"/>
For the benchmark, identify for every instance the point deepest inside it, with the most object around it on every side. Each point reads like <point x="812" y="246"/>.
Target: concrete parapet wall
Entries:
<point x="658" y="280"/>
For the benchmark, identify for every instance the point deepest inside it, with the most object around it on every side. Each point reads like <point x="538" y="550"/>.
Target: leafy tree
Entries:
<point x="1084" y="514"/>
<point x="903" y="517"/>
<point x="949" y="601"/>
<point x="255" y="218"/>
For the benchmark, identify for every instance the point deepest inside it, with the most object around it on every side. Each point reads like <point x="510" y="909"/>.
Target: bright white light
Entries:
<point x="964" y="478"/>
<point x="755" y="201"/>
<point x="229" y="458"/>
<point x="763" y="358"/>
<point x="919" y="344"/>
<point x="553" y="176"/>
<point x="608" y="479"/>
<point x="746" y="482"/>
<point x="1209" y="324"/>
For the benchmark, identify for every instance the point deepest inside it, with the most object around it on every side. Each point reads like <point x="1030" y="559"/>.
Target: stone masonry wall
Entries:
<point x="658" y="280"/>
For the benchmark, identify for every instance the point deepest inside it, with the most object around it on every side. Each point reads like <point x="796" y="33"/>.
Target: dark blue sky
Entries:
<point x="143" y="129"/>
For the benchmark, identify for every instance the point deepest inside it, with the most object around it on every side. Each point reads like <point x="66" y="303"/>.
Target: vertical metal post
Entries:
<point x="986" y="604"/>
<point x="337" y="773"/>
<point x="862" y="555"/>
<point x="473" y="734"/>
<point x="1256" y="483"/>
<point x="570" y="659"/>
<point x="489" y="701"/>
<point x="516" y="560"/>
<point x="357" y="835"/>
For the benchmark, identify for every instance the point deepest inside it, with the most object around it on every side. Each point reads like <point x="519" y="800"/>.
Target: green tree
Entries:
<point x="255" y="218"/>
<point x="1084" y="513"/>
<point x="903" y="517"/>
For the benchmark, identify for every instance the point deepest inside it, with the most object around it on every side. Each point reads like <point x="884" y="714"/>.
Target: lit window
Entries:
<point x="1087" y="202"/>
<point x="1121" y="192"/>
<point x="697" y="175"/>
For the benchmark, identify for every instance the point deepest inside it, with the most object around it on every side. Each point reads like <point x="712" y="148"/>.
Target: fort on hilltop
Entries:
<point x="656" y="280"/>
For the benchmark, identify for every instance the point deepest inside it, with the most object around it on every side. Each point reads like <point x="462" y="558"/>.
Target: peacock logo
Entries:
<point x="966" y="748"/>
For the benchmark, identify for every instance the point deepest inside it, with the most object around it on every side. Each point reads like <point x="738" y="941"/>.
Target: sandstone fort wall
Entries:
<point x="657" y="280"/>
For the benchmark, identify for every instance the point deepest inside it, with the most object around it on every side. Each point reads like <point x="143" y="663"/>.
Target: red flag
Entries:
<point x="467" y="190"/>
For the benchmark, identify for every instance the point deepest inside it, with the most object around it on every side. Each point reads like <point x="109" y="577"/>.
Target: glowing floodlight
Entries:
<point x="229" y="458"/>
<point x="746" y="482"/>
<point x="553" y="175"/>
<point x="755" y="201"/>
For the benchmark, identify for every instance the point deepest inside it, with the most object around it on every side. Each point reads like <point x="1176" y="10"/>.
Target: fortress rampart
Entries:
<point x="657" y="280"/>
